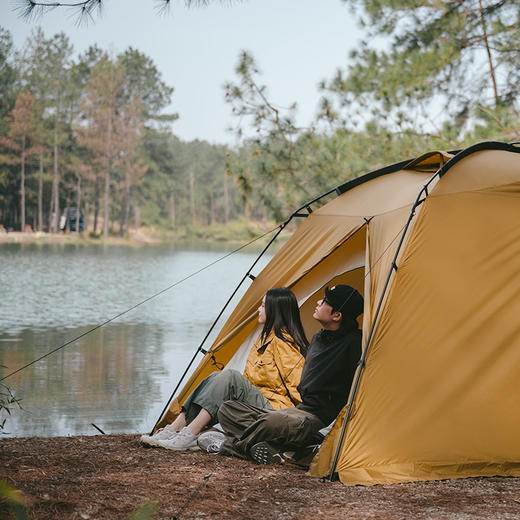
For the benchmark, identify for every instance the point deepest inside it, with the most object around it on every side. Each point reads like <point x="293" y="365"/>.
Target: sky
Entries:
<point x="296" y="44"/>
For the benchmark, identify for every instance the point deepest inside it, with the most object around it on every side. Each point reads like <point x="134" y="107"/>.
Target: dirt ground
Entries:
<point x="109" y="476"/>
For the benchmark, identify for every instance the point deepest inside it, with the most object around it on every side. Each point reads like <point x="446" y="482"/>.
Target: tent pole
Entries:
<point x="361" y="363"/>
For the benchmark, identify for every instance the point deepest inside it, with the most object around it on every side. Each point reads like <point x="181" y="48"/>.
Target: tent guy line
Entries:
<point x="178" y="282"/>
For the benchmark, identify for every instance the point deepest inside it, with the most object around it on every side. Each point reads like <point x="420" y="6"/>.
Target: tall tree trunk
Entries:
<point x="226" y="199"/>
<point x="107" y="180"/>
<point x="192" y="197"/>
<point x="247" y="210"/>
<point x="87" y="215"/>
<point x="122" y="219"/>
<point x="55" y="178"/>
<point x="137" y="215"/>
<point x="78" y="204"/>
<point x="106" y="214"/>
<point x="22" y="187"/>
<point x="96" y="204"/>
<point x="125" y="210"/>
<point x="52" y="214"/>
<point x="172" y="210"/>
<point x="211" y="207"/>
<point x="67" y="214"/>
<point x="40" y="192"/>
<point x="127" y="204"/>
<point x="488" y="50"/>
<point x="127" y="216"/>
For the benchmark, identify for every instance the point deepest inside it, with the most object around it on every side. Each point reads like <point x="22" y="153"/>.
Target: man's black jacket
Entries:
<point x="329" y="369"/>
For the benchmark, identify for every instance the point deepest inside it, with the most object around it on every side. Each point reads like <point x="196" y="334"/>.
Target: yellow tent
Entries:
<point x="433" y="244"/>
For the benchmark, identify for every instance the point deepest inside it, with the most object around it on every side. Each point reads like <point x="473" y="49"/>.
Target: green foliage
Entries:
<point x="268" y="168"/>
<point x="239" y="230"/>
<point x="185" y="184"/>
<point x="86" y="10"/>
<point x="144" y="81"/>
<point x="8" y="78"/>
<point x="282" y="166"/>
<point x="100" y="121"/>
<point x="7" y="401"/>
<point x="458" y="57"/>
<point x="13" y="498"/>
<point x="449" y="76"/>
<point x="145" y="512"/>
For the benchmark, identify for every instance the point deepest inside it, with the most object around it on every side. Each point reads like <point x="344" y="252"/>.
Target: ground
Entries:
<point x="109" y="476"/>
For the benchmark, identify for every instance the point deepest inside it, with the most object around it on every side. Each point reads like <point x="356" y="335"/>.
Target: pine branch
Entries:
<point x="84" y="9"/>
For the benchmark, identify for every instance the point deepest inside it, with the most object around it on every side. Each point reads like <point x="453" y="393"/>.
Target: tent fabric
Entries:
<point x="438" y="396"/>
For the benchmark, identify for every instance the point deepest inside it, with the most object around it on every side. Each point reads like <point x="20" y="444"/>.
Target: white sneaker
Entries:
<point x="211" y="441"/>
<point x="184" y="440"/>
<point x="167" y="432"/>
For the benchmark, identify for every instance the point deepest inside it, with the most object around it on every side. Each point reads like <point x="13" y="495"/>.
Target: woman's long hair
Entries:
<point x="282" y="316"/>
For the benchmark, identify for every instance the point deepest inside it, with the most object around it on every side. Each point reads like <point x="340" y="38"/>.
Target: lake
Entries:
<point x="120" y="376"/>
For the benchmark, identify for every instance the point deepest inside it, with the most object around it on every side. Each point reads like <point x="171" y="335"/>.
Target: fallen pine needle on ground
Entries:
<point x="110" y="476"/>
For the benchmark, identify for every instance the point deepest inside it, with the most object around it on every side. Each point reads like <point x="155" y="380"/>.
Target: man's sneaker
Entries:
<point x="302" y="457"/>
<point x="160" y="435"/>
<point x="184" y="440"/>
<point x="211" y="441"/>
<point x="265" y="453"/>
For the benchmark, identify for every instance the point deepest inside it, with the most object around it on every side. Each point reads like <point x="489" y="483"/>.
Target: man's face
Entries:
<point x="323" y="313"/>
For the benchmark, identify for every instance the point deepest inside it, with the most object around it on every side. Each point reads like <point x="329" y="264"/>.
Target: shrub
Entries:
<point x="7" y="401"/>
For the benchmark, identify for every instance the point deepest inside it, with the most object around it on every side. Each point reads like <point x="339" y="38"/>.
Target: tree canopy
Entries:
<point x="421" y="58"/>
<point x="90" y="132"/>
<point x="427" y="75"/>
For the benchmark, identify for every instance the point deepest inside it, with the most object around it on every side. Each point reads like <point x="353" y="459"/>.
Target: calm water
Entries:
<point x="120" y="376"/>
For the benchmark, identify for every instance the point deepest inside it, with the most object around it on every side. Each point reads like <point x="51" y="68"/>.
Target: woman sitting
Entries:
<point x="270" y="378"/>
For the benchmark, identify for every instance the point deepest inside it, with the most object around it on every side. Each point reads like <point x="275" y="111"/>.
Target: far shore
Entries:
<point x="148" y="236"/>
<point x="134" y="238"/>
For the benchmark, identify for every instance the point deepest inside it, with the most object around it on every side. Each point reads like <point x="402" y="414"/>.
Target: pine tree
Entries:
<point x="461" y="55"/>
<point x="99" y="133"/>
<point x="48" y="75"/>
<point x="22" y="130"/>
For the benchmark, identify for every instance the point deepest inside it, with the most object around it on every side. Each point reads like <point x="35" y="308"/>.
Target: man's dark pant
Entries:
<point x="248" y="425"/>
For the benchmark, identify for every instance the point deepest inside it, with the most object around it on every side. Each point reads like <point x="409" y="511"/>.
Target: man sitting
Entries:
<point x="329" y="369"/>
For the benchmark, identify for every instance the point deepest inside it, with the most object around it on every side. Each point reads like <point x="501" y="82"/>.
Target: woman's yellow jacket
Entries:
<point x="275" y="367"/>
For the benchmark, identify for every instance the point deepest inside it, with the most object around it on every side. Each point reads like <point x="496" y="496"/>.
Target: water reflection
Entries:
<point x="119" y="376"/>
